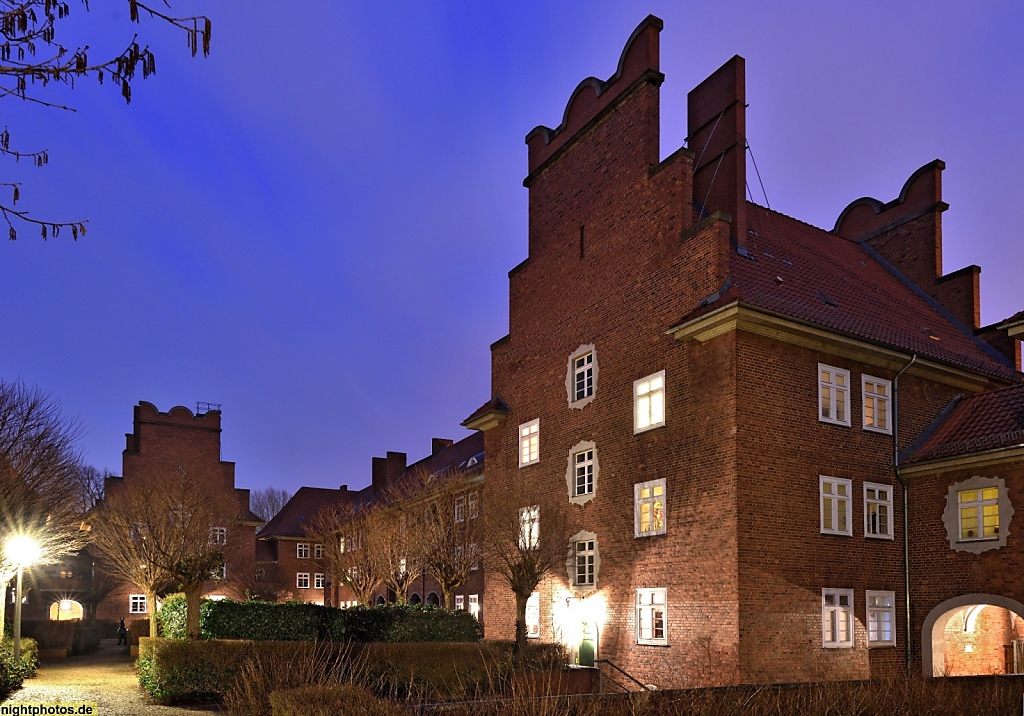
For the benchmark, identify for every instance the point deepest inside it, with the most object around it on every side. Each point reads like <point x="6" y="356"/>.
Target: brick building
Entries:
<point x="717" y="393"/>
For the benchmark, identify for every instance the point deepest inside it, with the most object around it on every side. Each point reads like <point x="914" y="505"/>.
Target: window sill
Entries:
<point x="888" y="538"/>
<point x="877" y="431"/>
<point x="881" y="645"/>
<point x="653" y="643"/>
<point x="649" y="428"/>
<point x="645" y="535"/>
<point x="837" y="646"/>
<point x="834" y="422"/>
<point x="837" y="534"/>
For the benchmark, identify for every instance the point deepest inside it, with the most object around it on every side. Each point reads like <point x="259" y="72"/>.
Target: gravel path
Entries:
<point x="106" y="677"/>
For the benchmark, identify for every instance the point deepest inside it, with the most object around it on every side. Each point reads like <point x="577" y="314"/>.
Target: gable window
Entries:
<point x="833" y="395"/>
<point x="219" y="535"/>
<point x="474" y="509"/>
<point x="302" y="580"/>
<point x="881" y="611"/>
<point x="649" y="508"/>
<point x="318" y="551"/>
<point x="876" y="394"/>
<point x="835" y="505"/>
<point x="302" y="550"/>
<point x="460" y="509"/>
<point x="836" y="618"/>
<point x="650" y="616"/>
<point x="529" y="443"/>
<point x="533" y="616"/>
<point x="584" y="561"/>
<point x="136" y="603"/>
<point x="319" y="580"/>
<point x="649" y="402"/>
<point x="529" y="527"/>
<point x="877" y="510"/>
<point x="581" y="376"/>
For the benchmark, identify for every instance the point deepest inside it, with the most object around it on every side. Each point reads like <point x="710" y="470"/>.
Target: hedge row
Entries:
<point x="298" y="621"/>
<point x="12" y="673"/>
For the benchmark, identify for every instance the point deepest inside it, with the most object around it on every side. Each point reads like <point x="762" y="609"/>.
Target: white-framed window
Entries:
<point x="137" y="604"/>
<point x="649" y="508"/>
<point x="474" y="605"/>
<point x="583" y="376"/>
<point x="473" y="506"/>
<point x="586" y="567"/>
<point x="529" y="443"/>
<point x="533" y="616"/>
<point x="220" y="572"/>
<point x="649" y="402"/>
<point x="302" y="550"/>
<point x="302" y="580"/>
<point x="651" y="622"/>
<point x="881" y="613"/>
<point x="460" y="602"/>
<point x="529" y="527"/>
<point x="460" y="509"/>
<point x="978" y="510"/>
<point x="877" y="394"/>
<point x="833" y="395"/>
<point x="319" y="578"/>
<point x="318" y="551"/>
<point x="583" y="471"/>
<point x="835" y="505"/>
<point x="219" y="535"/>
<point x="878" y="510"/>
<point x="474" y="549"/>
<point x="837" y="618"/>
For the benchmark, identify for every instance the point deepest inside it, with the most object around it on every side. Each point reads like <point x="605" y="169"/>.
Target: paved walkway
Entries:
<point x="106" y="677"/>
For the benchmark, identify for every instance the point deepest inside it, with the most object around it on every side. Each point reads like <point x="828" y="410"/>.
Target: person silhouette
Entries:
<point x="122" y="633"/>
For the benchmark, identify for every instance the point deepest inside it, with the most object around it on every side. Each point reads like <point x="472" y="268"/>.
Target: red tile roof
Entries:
<point x="799" y="271"/>
<point x="979" y="423"/>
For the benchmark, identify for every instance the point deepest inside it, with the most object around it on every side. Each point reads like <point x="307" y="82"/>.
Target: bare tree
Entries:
<point x="32" y="56"/>
<point x="353" y="537"/>
<point x="39" y="466"/>
<point x="523" y="543"/>
<point x="268" y="502"/>
<point x="452" y="533"/>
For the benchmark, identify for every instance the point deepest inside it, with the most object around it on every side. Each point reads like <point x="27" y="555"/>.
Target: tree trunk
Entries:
<point x="193" y="596"/>
<point x="520" y="623"/>
<point x="449" y="597"/>
<point x="151" y="607"/>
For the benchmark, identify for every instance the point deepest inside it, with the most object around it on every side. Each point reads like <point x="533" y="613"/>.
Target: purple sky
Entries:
<point x="313" y="226"/>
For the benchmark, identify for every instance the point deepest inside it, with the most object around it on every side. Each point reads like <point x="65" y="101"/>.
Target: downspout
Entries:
<point x="906" y="510"/>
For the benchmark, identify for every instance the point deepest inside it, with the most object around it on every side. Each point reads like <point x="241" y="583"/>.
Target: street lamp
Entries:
<point x="22" y="551"/>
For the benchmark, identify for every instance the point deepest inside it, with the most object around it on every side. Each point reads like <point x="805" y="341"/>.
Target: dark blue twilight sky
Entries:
<point x="313" y="226"/>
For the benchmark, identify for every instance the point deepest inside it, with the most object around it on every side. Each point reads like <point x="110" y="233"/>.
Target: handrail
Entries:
<point x="619" y="669"/>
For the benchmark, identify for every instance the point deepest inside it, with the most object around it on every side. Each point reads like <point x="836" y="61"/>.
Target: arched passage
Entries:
<point x="979" y="650"/>
<point x="65" y="610"/>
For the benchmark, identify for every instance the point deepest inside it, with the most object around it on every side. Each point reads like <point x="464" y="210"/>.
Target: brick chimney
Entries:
<point x="385" y="470"/>
<point x="439" y="444"/>
<point x="716" y="113"/>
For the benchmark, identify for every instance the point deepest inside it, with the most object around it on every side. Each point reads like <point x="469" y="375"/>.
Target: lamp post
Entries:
<point x="23" y="551"/>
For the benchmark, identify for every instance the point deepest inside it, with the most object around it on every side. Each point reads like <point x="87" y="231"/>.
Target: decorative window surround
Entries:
<point x="881" y="618"/>
<point x="581" y="376"/>
<point x="833" y="395"/>
<point x="836" y="506"/>
<point x="584" y="562"/>
<point x="958" y="514"/>
<point x="649" y="402"/>
<point x="837" y="618"/>
<point x="876" y="397"/>
<point x="649" y="508"/>
<point x="581" y="472"/>
<point x="651" y="617"/>
<point x="529" y="443"/>
<point x="878" y="511"/>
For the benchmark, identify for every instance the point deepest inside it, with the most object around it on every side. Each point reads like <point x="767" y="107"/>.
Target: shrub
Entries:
<point x="171" y="616"/>
<point x="50" y="634"/>
<point x="331" y="700"/>
<point x="432" y="670"/>
<point x="12" y="673"/>
<point x="138" y="628"/>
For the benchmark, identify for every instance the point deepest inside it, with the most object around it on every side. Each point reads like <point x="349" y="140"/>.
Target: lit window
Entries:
<point x="474" y="508"/>
<point x="318" y="551"/>
<point x="583" y="463"/>
<point x="529" y="443"/>
<point x="319" y="580"/>
<point x="979" y="513"/>
<point x="837" y="618"/>
<point x="877" y="510"/>
<point x="650" y="616"/>
<point x="881" y="613"/>
<point x="529" y="527"/>
<point x="302" y="550"/>
<point x="833" y="395"/>
<point x="835" y="506"/>
<point x="649" y="508"/>
<point x="583" y="377"/>
<point x="585" y="554"/>
<point x="460" y="509"/>
<point x="876" y="393"/>
<point x="474" y="605"/>
<point x="533" y="616"/>
<point x="302" y="580"/>
<point x="460" y="602"/>
<point x="137" y="604"/>
<point x="219" y="535"/>
<point x="649" y="402"/>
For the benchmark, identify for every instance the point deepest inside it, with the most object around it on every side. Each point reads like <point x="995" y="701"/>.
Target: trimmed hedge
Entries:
<point x="12" y="674"/>
<point x="299" y="621"/>
<point x="330" y="701"/>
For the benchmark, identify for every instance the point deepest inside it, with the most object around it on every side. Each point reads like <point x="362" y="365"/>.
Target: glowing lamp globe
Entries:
<point x="22" y="550"/>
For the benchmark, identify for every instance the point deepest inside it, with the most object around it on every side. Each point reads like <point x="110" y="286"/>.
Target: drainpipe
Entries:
<point x="906" y="511"/>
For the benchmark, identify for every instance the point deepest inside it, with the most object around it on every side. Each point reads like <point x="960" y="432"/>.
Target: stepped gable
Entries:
<point x="987" y="421"/>
<point x="798" y="271"/>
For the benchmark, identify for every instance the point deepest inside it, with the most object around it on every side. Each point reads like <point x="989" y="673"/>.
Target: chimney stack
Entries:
<point x="439" y="444"/>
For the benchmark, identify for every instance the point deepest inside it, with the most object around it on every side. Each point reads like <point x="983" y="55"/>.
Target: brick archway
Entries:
<point x="932" y="631"/>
